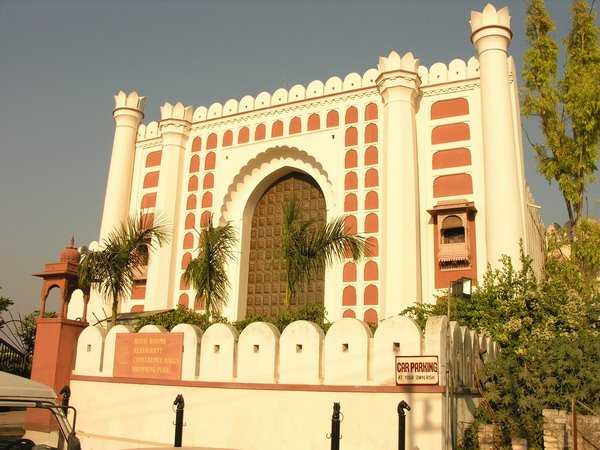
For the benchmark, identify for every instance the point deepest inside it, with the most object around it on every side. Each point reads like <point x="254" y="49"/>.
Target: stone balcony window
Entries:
<point x="454" y="245"/>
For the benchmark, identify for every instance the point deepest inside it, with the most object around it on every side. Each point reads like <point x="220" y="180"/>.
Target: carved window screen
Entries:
<point x="453" y="230"/>
<point x="454" y="250"/>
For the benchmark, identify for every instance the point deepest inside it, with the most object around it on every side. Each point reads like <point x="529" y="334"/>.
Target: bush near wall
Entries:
<point x="548" y="331"/>
<point x="174" y="317"/>
<point x="313" y="313"/>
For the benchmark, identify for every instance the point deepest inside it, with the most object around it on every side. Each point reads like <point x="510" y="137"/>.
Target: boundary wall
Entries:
<point x="348" y="354"/>
<point x="260" y="389"/>
<point x="558" y="430"/>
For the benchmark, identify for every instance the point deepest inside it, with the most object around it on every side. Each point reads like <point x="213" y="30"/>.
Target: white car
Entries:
<point x="30" y="418"/>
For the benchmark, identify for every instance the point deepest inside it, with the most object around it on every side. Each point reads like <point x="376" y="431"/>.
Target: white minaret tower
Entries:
<point x="491" y="36"/>
<point x="398" y="84"/>
<point x="128" y="113"/>
<point x="175" y="125"/>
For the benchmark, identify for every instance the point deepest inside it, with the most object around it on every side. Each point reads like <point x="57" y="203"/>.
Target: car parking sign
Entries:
<point x="417" y="370"/>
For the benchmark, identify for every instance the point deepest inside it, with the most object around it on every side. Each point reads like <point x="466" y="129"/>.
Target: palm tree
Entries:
<point x="206" y="272"/>
<point x="309" y="247"/>
<point x="123" y="253"/>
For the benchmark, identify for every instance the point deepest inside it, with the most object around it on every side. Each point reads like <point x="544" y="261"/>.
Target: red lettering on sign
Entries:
<point x="148" y="355"/>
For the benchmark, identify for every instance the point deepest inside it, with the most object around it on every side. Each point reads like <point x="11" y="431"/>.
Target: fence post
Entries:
<point x="178" y="419"/>
<point x="402" y="424"/>
<point x="335" y="427"/>
<point x="574" y="423"/>
<point x="65" y="393"/>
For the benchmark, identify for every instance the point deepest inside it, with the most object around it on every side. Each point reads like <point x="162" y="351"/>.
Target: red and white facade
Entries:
<point x="426" y="162"/>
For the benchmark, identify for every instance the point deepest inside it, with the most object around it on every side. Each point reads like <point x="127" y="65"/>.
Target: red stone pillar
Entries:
<point x="56" y="337"/>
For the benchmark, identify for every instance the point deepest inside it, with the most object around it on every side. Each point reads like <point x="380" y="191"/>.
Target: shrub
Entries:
<point x="281" y="319"/>
<point x="174" y="317"/>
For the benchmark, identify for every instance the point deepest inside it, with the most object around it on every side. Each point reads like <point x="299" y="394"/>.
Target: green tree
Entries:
<point x="308" y="246"/>
<point x="27" y="331"/>
<point x="207" y="272"/>
<point x="5" y="303"/>
<point x="548" y="373"/>
<point x="501" y="306"/>
<point x="548" y="331"/>
<point x="19" y="332"/>
<point x="568" y="108"/>
<point x="122" y="254"/>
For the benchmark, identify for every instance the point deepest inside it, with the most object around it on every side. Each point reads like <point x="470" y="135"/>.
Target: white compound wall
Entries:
<point x="260" y="389"/>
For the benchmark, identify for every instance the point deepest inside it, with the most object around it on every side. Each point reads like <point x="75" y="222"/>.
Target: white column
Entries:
<point x="491" y="36"/>
<point x="128" y="113"/>
<point x="163" y="266"/>
<point x="398" y="84"/>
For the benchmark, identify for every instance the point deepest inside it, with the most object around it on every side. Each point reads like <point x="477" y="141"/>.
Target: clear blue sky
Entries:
<point x="62" y="60"/>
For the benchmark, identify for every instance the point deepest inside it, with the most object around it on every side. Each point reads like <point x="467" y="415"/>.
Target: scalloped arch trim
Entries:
<point x="260" y="161"/>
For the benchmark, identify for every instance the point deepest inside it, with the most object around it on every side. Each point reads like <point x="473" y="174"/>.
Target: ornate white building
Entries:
<point x="427" y="162"/>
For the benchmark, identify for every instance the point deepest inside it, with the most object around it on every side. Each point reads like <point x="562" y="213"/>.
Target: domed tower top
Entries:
<point x="62" y="275"/>
<point x="70" y="254"/>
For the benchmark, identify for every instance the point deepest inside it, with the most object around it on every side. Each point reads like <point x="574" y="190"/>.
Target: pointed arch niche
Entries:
<point x="259" y="178"/>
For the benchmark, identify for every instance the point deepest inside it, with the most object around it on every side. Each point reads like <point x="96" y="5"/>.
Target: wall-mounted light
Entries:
<point x="462" y="287"/>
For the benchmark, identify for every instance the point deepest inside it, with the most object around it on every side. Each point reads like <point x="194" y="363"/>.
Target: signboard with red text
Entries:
<point x="148" y="355"/>
<point x="417" y="370"/>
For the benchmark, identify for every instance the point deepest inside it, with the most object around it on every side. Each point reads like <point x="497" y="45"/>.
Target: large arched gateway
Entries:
<point x="266" y="269"/>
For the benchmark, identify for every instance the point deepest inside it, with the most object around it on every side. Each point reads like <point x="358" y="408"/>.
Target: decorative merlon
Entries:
<point x="490" y="17"/>
<point x="178" y="111"/>
<point x="439" y="73"/>
<point x="132" y="100"/>
<point x="394" y="61"/>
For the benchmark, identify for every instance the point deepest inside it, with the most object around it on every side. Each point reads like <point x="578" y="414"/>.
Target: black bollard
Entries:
<point x="335" y="427"/>
<point x="178" y="419"/>
<point x="402" y="424"/>
<point x="66" y="395"/>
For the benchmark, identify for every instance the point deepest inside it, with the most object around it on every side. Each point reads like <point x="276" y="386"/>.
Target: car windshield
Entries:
<point x="29" y="429"/>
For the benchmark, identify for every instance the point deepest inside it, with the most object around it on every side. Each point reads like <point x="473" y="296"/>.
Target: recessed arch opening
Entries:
<point x="265" y="277"/>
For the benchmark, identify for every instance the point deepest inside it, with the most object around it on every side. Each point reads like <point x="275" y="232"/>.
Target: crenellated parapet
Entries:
<point x="492" y="24"/>
<point x="394" y="62"/>
<point x="534" y="208"/>
<point x="175" y="119"/>
<point x="349" y="353"/>
<point x="438" y="73"/>
<point x="151" y="130"/>
<point x="178" y="111"/>
<point x="456" y="70"/>
<point x="490" y="17"/>
<point x="397" y="71"/>
<point x="133" y="101"/>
